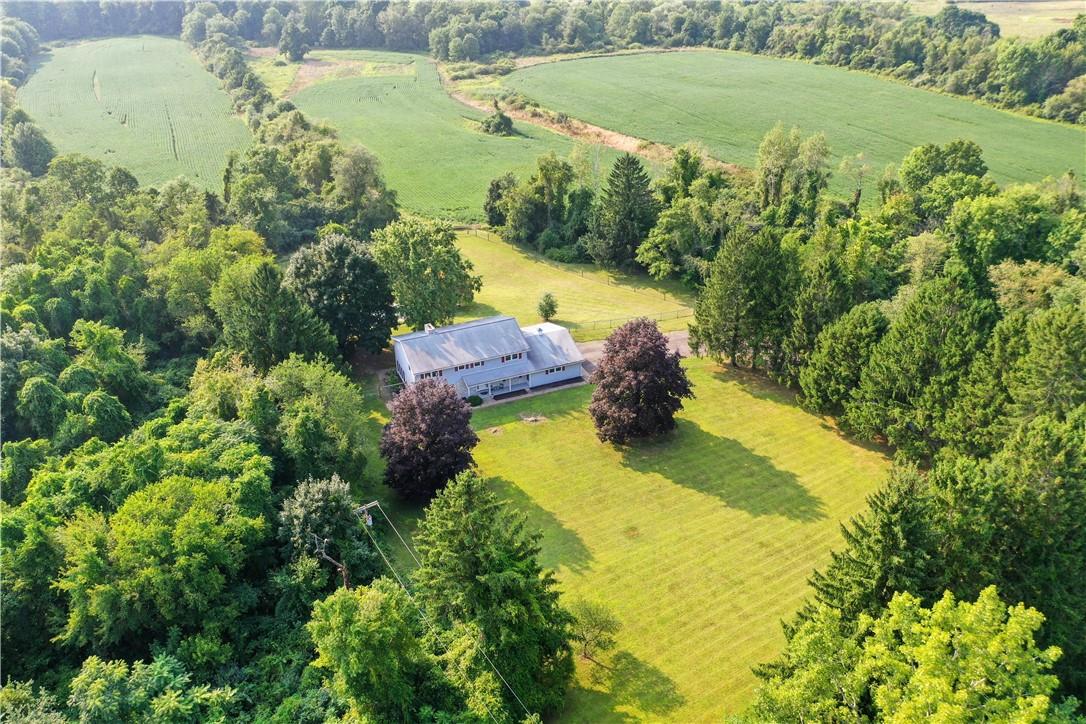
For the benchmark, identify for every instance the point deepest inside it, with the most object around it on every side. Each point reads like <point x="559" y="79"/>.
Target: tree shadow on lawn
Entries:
<point x="626" y="681"/>
<point x="561" y="546"/>
<point x="726" y="469"/>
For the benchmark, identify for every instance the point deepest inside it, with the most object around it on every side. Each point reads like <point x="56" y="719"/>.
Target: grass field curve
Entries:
<point x="700" y="542"/>
<point x="431" y="149"/>
<point x="591" y="301"/>
<point x="143" y="102"/>
<point x="727" y="101"/>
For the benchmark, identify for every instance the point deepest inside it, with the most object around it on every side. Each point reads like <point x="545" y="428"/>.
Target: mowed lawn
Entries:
<point x="727" y="101"/>
<point x="700" y="542"/>
<point x="144" y="103"/>
<point x="431" y="148"/>
<point x="591" y="301"/>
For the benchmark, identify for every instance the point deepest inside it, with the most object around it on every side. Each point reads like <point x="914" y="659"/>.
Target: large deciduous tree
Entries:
<point x="342" y="283"/>
<point x="430" y="279"/>
<point x="265" y="321"/>
<point x="428" y="440"/>
<point x="479" y="568"/>
<point x="640" y="385"/>
<point x="914" y="663"/>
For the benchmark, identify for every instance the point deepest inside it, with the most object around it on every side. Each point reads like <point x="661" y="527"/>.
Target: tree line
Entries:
<point x="957" y="51"/>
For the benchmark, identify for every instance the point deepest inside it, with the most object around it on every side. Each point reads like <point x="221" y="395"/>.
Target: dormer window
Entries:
<point x="511" y="357"/>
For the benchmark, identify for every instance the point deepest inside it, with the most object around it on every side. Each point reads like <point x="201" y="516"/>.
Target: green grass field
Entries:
<point x="701" y="542"/>
<point x="142" y="102"/>
<point x="1016" y="18"/>
<point x="430" y="146"/>
<point x="514" y="279"/>
<point x="727" y="101"/>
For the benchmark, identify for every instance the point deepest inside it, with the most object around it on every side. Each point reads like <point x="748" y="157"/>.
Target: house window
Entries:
<point x="428" y="375"/>
<point x="552" y="370"/>
<point x="511" y="357"/>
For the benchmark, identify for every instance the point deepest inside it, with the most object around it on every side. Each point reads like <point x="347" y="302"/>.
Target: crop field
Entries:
<point x="590" y="300"/>
<point x="141" y="102"/>
<point x="727" y="101"/>
<point x="1016" y="18"/>
<point x="431" y="149"/>
<point x="700" y="542"/>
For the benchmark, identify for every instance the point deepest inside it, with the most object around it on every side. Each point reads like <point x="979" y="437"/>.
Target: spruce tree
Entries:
<point x="887" y="549"/>
<point x="840" y="354"/>
<point x="265" y="321"/>
<point x="628" y="212"/>
<point x="742" y="313"/>
<point x="823" y="296"/>
<point x="479" y="567"/>
<point x="914" y="372"/>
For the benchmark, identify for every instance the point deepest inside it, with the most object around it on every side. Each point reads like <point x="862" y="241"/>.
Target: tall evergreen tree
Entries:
<point x="265" y="321"/>
<point x="823" y="296"/>
<point x="914" y="372"/>
<point x="981" y="417"/>
<point x="887" y="549"/>
<point x="479" y="567"/>
<point x="627" y="210"/>
<point x="840" y="354"/>
<point x="742" y="313"/>
<point x="1050" y="378"/>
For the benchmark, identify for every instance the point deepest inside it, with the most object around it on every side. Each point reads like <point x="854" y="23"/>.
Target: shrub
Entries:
<point x="475" y="400"/>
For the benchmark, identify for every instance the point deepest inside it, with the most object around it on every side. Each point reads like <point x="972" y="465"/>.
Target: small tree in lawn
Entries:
<point x="639" y="384"/>
<point x="593" y="629"/>
<point x="429" y="439"/>
<point x="548" y="306"/>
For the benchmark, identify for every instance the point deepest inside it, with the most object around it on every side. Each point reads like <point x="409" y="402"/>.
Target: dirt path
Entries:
<point x="574" y="127"/>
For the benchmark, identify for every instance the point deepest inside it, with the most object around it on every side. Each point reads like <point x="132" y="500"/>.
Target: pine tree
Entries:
<point x="887" y="549"/>
<point x="628" y="211"/>
<point x="914" y="372"/>
<point x="264" y="321"/>
<point x="479" y="567"/>
<point x="822" y="298"/>
<point x="742" y="313"/>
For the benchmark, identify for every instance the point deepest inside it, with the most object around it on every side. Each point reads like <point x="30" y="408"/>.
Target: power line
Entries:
<point x="482" y="649"/>
<point x="422" y="613"/>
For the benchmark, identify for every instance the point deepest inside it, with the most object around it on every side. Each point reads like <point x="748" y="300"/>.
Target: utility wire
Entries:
<point x="422" y="613"/>
<point x="482" y="649"/>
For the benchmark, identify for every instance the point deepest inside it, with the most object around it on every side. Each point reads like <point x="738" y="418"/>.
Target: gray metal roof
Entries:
<point x="550" y="346"/>
<point x="501" y="372"/>
<point x="462" y="343"/>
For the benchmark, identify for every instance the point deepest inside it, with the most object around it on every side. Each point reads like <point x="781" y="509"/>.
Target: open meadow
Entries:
<point x="432" y="150"/>
<point x="1016" y="18"/>
<point x="727" y="101"/>
<point x="144" y="103"/>
<point x="591" y="300"/>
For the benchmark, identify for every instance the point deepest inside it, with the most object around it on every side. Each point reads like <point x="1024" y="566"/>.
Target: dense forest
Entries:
<point x="183" y="438"/>
<point x="957" y="51"/>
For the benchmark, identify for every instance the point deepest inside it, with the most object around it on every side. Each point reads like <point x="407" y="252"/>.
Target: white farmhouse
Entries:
<point x="489" y="356"/>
